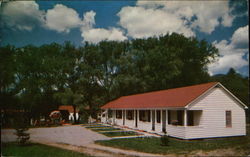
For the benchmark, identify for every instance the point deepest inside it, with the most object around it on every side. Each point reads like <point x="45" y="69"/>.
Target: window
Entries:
<point x="130" y="114"/>
<point x="228" y="119"/>
<point x="175" y="117"/>
<point x="145" y="115"/>
<point x="158" y="116"/>
<point x="119" y="114"/>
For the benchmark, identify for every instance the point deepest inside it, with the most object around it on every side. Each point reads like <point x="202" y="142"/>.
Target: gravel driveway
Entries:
<point x="73" y="135"/>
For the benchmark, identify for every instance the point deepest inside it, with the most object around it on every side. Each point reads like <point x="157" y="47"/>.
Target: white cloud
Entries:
<point x="240" y="37"/>
<point x="62" y="18"/>
<point x="226" y="62"/>
<point x="96" y="35"/>
<point x="231" y="54"/>
<point x="206" y="14"/>
<point x="22" y="15"/>
<point x="142" y="22"/>
<point x="89" y="19"/>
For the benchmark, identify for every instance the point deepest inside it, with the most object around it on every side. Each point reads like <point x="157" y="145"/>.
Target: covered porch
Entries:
<point x="175" y="121"/>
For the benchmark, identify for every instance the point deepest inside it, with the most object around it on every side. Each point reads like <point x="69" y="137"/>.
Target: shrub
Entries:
<point x="21" y="126"/>
<point x="22" y="136"/>
<point x="164" y="139"/>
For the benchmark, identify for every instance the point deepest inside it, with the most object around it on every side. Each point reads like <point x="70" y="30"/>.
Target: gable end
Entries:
<point x="223" y="88"/>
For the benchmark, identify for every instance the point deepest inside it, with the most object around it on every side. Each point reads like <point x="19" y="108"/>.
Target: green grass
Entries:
<point x="123" y="133"/>
<point x="101" y="126"/>
<point x="105" y="129"/>
<point x="94" y="124"/>
<point x="153" y="145"/>
<point x="36" y="150"/>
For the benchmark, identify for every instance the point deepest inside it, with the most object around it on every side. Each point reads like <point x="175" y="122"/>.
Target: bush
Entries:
<point x="22" y="136"/>
<point x="164" y="140"/>
<point x="21" y="126"/>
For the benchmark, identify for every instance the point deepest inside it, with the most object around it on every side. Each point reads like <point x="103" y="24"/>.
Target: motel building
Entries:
<point x="200" y="111"/>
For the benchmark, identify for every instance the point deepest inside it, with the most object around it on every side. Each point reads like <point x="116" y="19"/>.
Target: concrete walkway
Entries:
<point x="73" y="135"/>
<point x="75" y="138"/>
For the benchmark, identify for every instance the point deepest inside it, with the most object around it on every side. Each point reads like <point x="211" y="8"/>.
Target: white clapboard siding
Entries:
<point x="130" y="123"/>
<point x="147" y="126"/>
<point x="213" y="119"/>
<point x="158" y="127"/>
<point x="176" y="131"/>
<point x="119" y="121"/>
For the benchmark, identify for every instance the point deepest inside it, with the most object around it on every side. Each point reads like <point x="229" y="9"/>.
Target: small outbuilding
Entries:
<point x="200" y="111"/>
<point x="67" y="112"/>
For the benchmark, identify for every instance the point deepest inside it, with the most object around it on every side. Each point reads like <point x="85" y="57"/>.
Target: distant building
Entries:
<point x="200" y="111"/>
<point x="68" y="112"/>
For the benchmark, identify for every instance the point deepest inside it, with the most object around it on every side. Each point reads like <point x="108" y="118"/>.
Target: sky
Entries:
<point x="222" y="23"/>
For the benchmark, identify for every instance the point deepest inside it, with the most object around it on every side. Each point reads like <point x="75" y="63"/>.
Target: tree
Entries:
<point x="49" y="75"/>
<point x="236" y="83"/>
<point x="7" y="76"/>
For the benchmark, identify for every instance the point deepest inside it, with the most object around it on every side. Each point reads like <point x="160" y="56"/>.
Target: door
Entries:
<point x="180" y="117"/>
<point x="163" y="120"/>
<point x="190" y="118"/>
<point x="136" y="119"/>
<point x="153" y="120"/>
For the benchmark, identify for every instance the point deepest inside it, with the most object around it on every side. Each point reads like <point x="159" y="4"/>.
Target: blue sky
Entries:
<point x="223" y="23"/>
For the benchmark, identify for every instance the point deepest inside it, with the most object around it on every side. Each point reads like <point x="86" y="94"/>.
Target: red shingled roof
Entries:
<point x="177" y="97"/>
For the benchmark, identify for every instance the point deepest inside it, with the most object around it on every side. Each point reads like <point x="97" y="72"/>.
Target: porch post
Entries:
<point x="166" y="117"/>
<point x="138" y="119"/>
<point x="151" y="116"/>
<point x="134" y="118"/>
<point x="114" y="116"/>
<point x="106" y="115"/>
<point x="125" y="116"/>
<point x="185" y="117"/>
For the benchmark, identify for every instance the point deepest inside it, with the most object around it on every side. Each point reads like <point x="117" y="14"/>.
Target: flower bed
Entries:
<point x="121" y="133"/>
<point x="105" y="129"/>
<point x="101" y="126"/>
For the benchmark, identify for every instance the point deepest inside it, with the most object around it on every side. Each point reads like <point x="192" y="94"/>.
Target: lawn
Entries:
<point x="94" y="124"/>
<point x="98" y="126"/>
<point x="122" y="133"/>
<point x="153" y="145"/>
<point x="36" y="150"/>
<point x="105" y="129"/>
